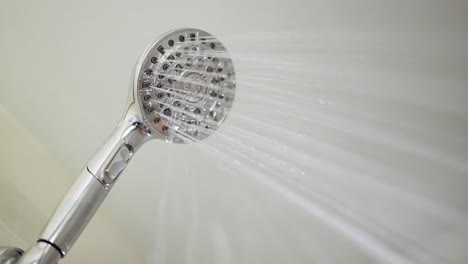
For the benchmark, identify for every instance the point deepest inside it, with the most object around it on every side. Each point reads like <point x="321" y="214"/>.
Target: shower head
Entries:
<point x="184" y="85"/>
<point x="182" y="90"/>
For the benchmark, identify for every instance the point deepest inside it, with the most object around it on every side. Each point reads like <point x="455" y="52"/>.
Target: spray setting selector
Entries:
<point x="118" y="163"/>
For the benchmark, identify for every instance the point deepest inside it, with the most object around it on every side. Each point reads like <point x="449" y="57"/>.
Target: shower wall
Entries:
<point x="346" y="143"/>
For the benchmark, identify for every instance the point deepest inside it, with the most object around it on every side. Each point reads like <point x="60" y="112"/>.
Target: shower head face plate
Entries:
<point x="186" y="85"/>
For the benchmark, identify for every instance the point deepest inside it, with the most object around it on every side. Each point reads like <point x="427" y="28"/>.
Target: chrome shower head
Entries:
<point x="184" y="85"/>
<point x="182" y="90"/>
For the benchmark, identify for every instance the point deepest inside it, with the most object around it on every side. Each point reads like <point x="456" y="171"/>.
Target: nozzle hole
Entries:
<point x="161" y="49"/>
<point x="171" y="59"/>
<point x="167" y="112"/>
<point x="200" y="63"/>
<point x="189" y="62"/>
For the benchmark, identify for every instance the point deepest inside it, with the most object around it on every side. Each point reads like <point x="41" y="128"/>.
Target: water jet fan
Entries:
<point x="182" y="90"/>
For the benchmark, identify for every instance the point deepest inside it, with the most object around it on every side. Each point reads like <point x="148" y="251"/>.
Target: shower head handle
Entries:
<point x="102" y="171"/>
<point x="88" y="191"/>
<point x="113" y="156"/>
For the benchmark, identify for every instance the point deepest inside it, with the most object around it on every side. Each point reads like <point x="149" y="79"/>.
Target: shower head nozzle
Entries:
<point x="184" y="85"/>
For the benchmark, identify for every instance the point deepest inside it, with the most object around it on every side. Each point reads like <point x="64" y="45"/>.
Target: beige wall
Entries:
<point x="32" y="182"/>
<point x="346" y="144"/>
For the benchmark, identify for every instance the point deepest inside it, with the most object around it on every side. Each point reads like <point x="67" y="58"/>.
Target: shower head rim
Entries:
<point x="139" y="70"/>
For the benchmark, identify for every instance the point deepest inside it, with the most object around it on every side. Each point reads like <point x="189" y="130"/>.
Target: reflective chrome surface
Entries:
<point x="74" y="212"/>
<point x="137" y="127"/>
<point x="112" y="158"/>
<point x="10" y="255"/>
<point x="41" y="253"/>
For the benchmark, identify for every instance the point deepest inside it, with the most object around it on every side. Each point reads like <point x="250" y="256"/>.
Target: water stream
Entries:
<point x="362" y="146"/>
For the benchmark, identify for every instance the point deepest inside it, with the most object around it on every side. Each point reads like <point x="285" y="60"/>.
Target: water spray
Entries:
<point x="182" y="90"/>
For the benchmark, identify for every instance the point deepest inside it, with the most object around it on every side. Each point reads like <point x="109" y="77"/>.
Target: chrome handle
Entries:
<point x="74" y="212"/>
<point x="88" y="192"/>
